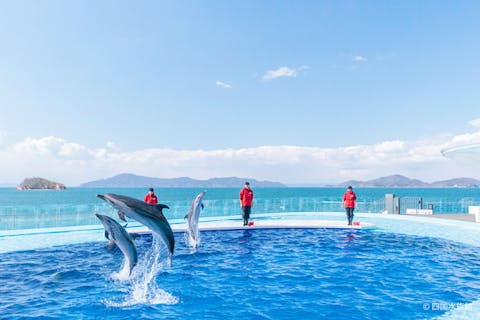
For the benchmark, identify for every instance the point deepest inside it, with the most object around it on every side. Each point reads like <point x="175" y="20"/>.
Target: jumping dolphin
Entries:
<point x="117" y="235"/>
<point x="192" y="218"/>
<point x="150" y="215"/>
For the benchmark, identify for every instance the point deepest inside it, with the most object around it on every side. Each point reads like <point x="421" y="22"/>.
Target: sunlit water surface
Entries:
<point x="250" y="274"/>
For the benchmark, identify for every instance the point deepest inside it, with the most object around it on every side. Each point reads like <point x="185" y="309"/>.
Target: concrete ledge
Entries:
<point x="265" y="224"/>
<point x="448" y="216"/>
<point x="18" y="240"/>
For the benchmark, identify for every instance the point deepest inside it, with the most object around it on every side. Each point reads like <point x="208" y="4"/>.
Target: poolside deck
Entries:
<point x="28" y="239"/>
<point x="264" y="224"/>
<point x="455" y="216"/>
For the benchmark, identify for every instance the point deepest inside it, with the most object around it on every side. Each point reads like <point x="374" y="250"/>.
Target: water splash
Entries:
<point x="124" y="273"/>
<point x="144" y="288"/>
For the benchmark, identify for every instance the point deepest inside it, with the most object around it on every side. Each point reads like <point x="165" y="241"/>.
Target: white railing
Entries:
<point x="27" y="217"/>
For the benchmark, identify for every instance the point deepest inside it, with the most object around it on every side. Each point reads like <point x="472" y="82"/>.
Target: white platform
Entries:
<point x="265" y="224"/>
<point x="28" y="239"/>
<point x="473" y="209"/>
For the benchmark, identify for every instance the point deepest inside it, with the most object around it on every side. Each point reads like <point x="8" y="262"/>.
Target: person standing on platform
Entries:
<point x="349" y="203"/>
<point x="151" y="198"/>
<point x="246" y="199"/>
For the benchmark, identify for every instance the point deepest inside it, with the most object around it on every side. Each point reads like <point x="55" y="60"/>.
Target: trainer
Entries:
<point x="151" y="198"/>
<point x="349" y="203"/>
<point x="246" y="199"/>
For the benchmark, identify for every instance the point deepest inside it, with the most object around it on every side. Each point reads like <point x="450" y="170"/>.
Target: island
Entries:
<point x="399" y="181"/>
<point x="128" y="180"/>
<point x="40" y="184"/>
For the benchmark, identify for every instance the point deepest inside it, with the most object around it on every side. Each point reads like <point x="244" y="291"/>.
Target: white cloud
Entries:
<point x="52" y="146"/>
<point x="359" y="59"/>
<point x="112" y="146"/>
<point x="223" y="84"/>
<point x="475" y="122"/>
<point x="282" y="72"/>
<point x="74" y="163"/>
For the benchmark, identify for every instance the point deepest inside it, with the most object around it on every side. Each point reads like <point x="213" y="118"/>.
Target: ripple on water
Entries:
<point x="251" y="274"/>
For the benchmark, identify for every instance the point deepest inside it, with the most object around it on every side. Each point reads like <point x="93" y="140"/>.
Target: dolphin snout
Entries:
<point x="101" y="196"/>
<point x="100" y="217"/>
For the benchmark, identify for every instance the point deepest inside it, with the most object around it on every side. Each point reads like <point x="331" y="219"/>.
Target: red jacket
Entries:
<point x="151" y="198"/>
<point x="349" y="199"/>
<point x="246" y="197"/>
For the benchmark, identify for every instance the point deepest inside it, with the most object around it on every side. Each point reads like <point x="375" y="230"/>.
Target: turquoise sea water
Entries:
<point x="75" y="206"/>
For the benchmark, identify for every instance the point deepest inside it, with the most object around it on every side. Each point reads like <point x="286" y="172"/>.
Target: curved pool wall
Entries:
<point x="458" y="231"/>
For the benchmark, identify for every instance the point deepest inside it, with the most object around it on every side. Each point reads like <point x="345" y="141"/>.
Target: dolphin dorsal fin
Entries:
<point x="160" y="207"/>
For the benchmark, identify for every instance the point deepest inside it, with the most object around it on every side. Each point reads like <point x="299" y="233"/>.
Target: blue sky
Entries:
<point x="200" y="76"/>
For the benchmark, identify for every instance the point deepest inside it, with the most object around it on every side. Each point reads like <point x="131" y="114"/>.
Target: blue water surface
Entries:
<point x="248" y="274"/>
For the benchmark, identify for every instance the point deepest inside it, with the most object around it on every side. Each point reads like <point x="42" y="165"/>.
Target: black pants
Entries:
<point x="246" y="214"/>
<point x="349" y="212"/>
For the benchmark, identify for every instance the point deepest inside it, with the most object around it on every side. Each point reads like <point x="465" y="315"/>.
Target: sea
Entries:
<point x="26" y="209"/>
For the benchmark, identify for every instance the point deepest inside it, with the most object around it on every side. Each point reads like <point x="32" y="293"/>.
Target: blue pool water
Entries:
<point x="250" y="274"/>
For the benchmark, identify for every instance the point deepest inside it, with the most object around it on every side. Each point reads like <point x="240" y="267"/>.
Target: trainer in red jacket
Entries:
<point x="246" y="199"/>
<point x="151" y="198"/>
<point x="349" y="199"/>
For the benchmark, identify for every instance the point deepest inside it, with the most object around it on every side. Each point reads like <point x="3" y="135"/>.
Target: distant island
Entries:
<point x="128" y="180"/>
<point x="399" y="181"/>
<point x="40" y="184"/>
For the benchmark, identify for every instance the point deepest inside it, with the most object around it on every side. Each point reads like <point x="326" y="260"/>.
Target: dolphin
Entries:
<point x="150" y="215"/>
<point x="193" y="215"/>
<point x="119" y="236"/>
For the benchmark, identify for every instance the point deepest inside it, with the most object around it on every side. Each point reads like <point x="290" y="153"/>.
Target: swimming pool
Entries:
<point x="251" y="274"/>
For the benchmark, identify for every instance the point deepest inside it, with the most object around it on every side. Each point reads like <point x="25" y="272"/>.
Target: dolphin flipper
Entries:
<point x="111" y="245"/>
<point x="111" y="241"/>
<point x="202" y="206"/>
<point x="121" y="215"/>
<point x="133" y="235"/>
